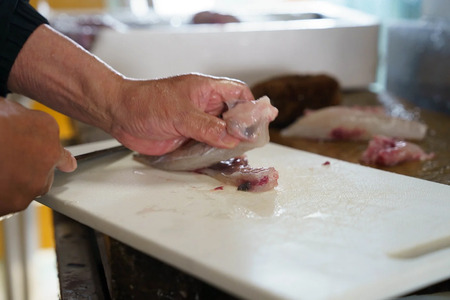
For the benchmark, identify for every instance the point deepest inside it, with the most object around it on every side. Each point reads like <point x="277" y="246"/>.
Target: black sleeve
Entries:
<point x="18" y="19"/>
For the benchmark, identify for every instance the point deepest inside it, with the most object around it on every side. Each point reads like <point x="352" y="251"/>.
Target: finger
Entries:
<point x="246" y="94"/>
<point x="48" y="184"/>
<point x="67" y="162"/>
<point x="166" y="146"/>
<point x="224" y="91"/>
<point x="208" y="129"/>
<point x="153" y="147"/>
<point x="234" y="90"/>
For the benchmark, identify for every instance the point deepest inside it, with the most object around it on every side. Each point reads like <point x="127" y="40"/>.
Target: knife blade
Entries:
<point x="100" y="153"/>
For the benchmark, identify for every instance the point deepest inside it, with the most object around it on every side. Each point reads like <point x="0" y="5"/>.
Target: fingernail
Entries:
<point x="230" y="141"/>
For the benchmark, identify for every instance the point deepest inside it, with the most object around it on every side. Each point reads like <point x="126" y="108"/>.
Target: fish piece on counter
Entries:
<point x="292" y="94"/>
<point x="247" y="120"/>
<point x="236" y="171"/>
<point x="387" y="151"/>
<point x="353" y="123"/>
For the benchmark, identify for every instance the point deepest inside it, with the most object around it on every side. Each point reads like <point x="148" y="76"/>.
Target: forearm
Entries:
<point x="149" y="116"/>
<point x="57" y="72"/>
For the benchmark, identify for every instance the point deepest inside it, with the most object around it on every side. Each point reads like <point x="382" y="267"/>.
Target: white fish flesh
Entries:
<point x="386" y="151"/>
<point x="247" y="120"/>
<point x="353" y="123"/>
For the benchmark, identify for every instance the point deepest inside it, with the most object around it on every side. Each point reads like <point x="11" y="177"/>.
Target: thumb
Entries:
<point x="67" y="162"/>
<point x="208" y="129"/>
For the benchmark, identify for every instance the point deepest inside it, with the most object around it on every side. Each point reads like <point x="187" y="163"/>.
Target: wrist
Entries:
<point x="108" y="94"/>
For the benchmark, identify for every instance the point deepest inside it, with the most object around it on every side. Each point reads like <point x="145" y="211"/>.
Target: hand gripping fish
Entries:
<point x="246" y="120"/>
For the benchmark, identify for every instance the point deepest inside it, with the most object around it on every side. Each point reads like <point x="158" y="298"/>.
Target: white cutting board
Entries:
<point x="337" y="231"/>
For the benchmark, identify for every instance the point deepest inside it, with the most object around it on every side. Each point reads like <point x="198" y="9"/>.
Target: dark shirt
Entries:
<point x="18" y="19"/>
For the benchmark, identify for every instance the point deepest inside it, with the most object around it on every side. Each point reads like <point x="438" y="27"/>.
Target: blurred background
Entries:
<point x="411" y="60"/>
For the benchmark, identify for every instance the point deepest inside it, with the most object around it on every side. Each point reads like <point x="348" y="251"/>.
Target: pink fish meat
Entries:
<point x="386" y="151"/>
<point x="247" y="120"/>
<point x="236" y="171"/>
<point x="353" y="123"/>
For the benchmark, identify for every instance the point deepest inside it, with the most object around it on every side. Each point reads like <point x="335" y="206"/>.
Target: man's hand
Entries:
<point x="29" y="153"/>
<point x="156" y="116"/>
<point x="148" y="116"/>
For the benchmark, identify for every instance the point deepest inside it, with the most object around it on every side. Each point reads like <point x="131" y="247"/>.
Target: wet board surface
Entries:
<point x="328" y="231"/>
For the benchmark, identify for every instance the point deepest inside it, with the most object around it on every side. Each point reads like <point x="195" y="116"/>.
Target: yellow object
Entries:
<point x="2" y="242"/>
<point x="66" y="128"/>
<point x="67" y="4"/>
<point x="72" y="4"/>
<point x="46" y="232"/>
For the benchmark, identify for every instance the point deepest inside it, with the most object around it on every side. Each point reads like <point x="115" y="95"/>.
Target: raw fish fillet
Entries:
<point x="386" y="151"/>
<point x="236" y="171"/>
<point x="247" y="120"/>
<point x="353" y="123"/>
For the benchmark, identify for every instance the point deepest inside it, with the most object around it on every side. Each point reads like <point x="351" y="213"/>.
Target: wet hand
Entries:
<point x="157" y="116"/>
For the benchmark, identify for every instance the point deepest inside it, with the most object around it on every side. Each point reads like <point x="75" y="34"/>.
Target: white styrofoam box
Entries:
<point x="341" y="43"/>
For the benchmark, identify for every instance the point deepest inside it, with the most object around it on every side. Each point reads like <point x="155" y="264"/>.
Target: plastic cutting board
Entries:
<point x="328" y="231"/>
